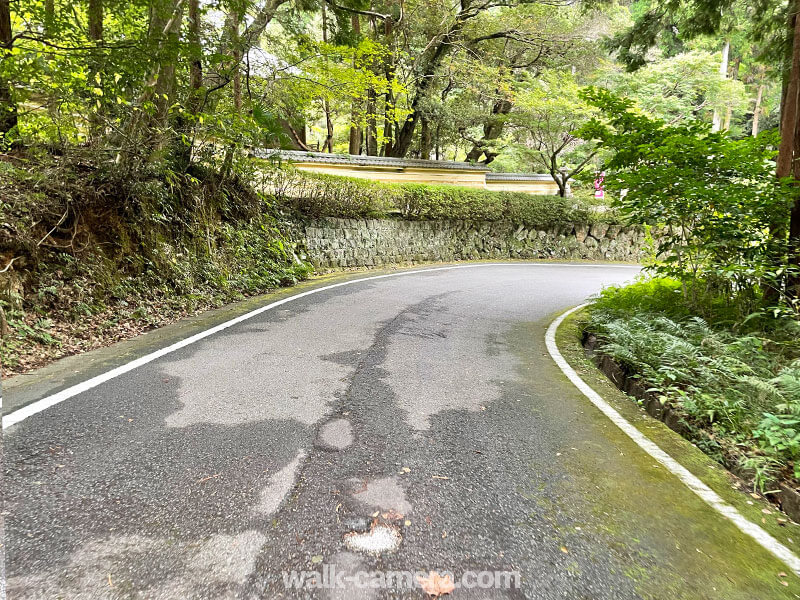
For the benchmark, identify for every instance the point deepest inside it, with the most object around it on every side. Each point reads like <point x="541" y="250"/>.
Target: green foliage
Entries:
<point x="548" y="113"/>
<point x="682" y="88"/>
<point x="742" y="388"/>
<point x="434" y="202"/>
<point x="715" y="201"/>
<point x="322" y="195"/>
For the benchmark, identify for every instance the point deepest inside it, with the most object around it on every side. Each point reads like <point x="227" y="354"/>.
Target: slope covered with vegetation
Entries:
<point x="715" y="333"/>
<point x="97" y="258"/>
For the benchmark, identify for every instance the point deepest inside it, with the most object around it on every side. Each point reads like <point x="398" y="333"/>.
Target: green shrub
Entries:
<point x="435" y="202"/>
<point x="722" y="214"/>
<point x="546" y="211"/>
<point x="323" y="195"/>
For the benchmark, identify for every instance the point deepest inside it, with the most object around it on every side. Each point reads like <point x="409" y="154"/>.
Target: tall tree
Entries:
<point x="355" y="130"/>
<point x="789" y="150"/>
<point x="8" y="107"/>
<point x="723" y="74"/>
<point x="95" y="18"/>
<point x="326" y="106"/>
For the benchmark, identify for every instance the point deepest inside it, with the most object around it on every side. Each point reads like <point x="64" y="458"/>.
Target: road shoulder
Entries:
<point x="730" y="488"/>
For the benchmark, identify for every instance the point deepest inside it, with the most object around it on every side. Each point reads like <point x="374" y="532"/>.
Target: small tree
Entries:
<point x="546" y="119"/>
<point x="714" y="198"/>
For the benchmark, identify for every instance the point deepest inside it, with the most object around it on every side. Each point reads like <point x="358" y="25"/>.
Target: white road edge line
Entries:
<point x="43" y="404"/>
<point x="691" y="481"/>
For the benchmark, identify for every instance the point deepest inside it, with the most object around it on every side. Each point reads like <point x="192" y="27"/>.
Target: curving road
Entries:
<point x="217" y="469"/>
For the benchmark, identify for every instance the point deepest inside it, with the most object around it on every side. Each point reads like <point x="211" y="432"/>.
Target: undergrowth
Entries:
<point x="736" y="383"/>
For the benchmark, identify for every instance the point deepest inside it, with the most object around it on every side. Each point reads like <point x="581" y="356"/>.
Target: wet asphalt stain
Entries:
<point x="480" y="489"/>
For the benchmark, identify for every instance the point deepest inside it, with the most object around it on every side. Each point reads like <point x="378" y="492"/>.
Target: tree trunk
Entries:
<point x="789" y="108"/>
<point x="8" y="108"/>
<point x="96" y="20"/>
<point x="388" y="129"/>
<point x="372" y="124"/>
<point x="406" y="133"/>
<point x="185" y="143"/>
<point x="388" y="98"/>
<point x="144" y="132"/>
<point x="355" y="130"/>
<point x="788" y="163"/>
<point x="166" y="82"/>
<point x="734" y="73"/>
<point x="95" y="65"/>
<point x="723" y="72"/>
<point x="49" y="18"/>
<point x="491" y="131"/>
<point x="326" y="108"/>
<point x="757" y="110"/>
<point x="354" y="146"/>
<point x="196" y="61"/>
<point x="425" y="140"/>
<point x="235" y="23"/>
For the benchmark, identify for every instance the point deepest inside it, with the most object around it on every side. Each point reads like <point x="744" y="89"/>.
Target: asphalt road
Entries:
<point x="217" y="470"/>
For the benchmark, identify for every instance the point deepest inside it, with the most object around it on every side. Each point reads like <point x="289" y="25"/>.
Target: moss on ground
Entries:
<point x="729" y="562"/>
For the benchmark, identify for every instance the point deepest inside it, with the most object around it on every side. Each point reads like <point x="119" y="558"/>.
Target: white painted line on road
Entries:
<point x="692" y="481"/>
<point x="39" y="405"/>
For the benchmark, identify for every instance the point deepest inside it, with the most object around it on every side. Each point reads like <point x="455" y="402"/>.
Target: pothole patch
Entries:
<point x="379" y="539"/>
<point x="384" y="494"/>
<point x="336" y="434"/>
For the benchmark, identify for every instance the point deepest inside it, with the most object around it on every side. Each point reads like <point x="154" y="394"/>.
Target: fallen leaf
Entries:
<point x="766" y="511"/>
<point x="782" y="574"/>
<point x="564" y="550"/>
<point x="405" y="470"/>
<point x="435" y="585"/>
<point x="316" y="559"/>
<point x="785" y="583"/>
<point x="407" y="523"/>
<point x="444" y="534"/>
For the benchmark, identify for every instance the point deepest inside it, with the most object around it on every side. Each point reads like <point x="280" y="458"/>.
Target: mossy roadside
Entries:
<point x="731" y="553"/>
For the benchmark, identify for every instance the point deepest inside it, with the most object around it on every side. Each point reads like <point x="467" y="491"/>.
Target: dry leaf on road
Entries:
<point x="435" y="585"/>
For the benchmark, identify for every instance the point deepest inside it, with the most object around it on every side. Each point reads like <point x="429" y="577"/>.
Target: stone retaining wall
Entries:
<point x="333" y="243"/>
